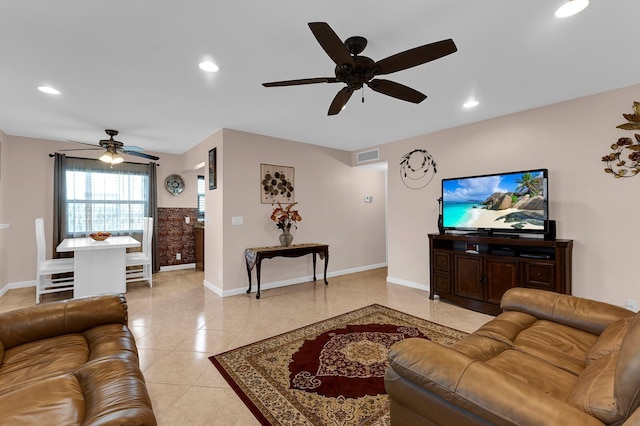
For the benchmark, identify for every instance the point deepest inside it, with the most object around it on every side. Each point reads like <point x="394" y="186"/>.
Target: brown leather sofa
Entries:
<point x="548" y="359"/>
<point x="71" y="363"/>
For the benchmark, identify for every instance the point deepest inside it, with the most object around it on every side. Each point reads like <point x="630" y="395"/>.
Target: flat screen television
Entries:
<point x="512" y="202"/>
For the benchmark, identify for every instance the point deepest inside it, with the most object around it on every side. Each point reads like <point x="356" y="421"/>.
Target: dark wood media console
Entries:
<point x="474" y="271"/>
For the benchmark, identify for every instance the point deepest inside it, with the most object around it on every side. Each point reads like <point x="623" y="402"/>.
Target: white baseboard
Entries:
<point x="177" y="267"/>
<point x="11" y="286"/>
<point x="406" y="283"/>
<point x="275" y="284"/>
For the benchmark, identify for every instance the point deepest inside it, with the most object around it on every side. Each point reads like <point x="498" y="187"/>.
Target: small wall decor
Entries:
<point x="174" y="184"/>
<point x="213" y="169"/>
<point x="417" y="168"/>
<point x="276" y="184"/>
<point x="624" y="161"/>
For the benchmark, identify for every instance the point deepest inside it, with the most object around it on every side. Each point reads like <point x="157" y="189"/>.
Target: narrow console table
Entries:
<point x="254" y="256"/>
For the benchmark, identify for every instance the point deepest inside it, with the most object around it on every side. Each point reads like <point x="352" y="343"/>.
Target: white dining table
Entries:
<point x="99" y="266"/>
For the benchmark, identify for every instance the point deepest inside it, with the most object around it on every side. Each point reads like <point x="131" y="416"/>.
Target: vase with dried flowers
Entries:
<point x="285" y="217"/>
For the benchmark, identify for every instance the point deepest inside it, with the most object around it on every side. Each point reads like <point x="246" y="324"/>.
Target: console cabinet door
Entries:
<point x="500" y="275"/>
<point x="468" y="277"/>
<point x="540" y="275"/>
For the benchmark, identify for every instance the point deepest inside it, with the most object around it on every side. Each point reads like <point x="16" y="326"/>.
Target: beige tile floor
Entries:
<point x="178" y="324"/>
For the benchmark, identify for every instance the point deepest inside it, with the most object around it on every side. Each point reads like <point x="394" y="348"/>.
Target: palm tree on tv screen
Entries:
<point x="529" y="182"/>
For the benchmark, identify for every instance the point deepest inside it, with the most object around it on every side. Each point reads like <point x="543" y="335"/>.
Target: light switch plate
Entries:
<point x="237" y="220"/>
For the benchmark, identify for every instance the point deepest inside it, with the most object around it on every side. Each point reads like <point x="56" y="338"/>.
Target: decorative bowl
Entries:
<point x="100" y="236"/>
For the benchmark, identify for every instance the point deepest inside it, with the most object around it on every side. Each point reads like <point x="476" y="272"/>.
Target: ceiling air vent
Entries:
<point x="366" y="156"/>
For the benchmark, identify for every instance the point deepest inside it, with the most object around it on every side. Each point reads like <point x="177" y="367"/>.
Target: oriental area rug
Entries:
<point x="327" y="373"/>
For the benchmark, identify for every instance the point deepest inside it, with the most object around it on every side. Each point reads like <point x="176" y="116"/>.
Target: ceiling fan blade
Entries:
<point x="301" y="81"/>
<point x="332" y="44"/>
<point x="396" y="90"/>
<point x="83" y="143"/>
<point x="416" y="56"/>
<point x="132" y="148"/>
<point x="340" y="101"/>
<point x="81" y="149"/>
<point x="141" y="154"/>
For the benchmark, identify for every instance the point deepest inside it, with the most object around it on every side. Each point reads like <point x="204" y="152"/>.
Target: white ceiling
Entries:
<point x="132" y="65"/>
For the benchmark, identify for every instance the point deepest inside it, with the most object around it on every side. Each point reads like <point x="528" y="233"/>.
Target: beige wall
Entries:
<point x="330" y="194"/>
<point x="595" y="210"/>
<point x="173" y="164"/>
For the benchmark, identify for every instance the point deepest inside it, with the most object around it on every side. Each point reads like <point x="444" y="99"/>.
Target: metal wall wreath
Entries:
<point x="417" y="168"/>
<point x="619" y="165"/>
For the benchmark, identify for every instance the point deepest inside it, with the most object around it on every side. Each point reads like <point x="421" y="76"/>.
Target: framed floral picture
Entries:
<point x="277" y="184"/>
<point x="213" y="169"/>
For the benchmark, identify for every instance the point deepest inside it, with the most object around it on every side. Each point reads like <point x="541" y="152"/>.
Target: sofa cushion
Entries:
<point x="535" y="372"/>
<point x="111" y="340"/>
<point x="588" y="315"/>
<point x="609" y="341"/>
<point x="560" y="345"/>
<point x="506" y="327"/>
<point x="479" y="348"/>
<point x="115" y="393"/>
<point x="42" y="358"/>
<point x="54" y="401"/>
<point x="593" y="392"/>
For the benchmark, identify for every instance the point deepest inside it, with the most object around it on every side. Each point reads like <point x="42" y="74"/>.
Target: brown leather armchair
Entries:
<point x="71" y="363"/>
<point x="548" y="359"/>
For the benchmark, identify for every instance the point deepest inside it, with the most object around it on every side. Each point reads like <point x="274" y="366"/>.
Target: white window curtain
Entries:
<point x="101" y="198"/>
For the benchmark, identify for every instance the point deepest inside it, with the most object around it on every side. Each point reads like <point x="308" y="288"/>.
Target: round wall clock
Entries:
<point x="174" y="184"/>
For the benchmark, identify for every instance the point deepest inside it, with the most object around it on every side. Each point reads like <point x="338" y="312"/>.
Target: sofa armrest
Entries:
<point x="584" y="314"/>
<point x="472" y="386"/>
<point x="54" y="319"/>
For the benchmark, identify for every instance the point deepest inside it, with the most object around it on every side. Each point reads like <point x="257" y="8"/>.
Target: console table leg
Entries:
<point x="326" y="262"/>
<point x="258" y="277"/>
<point x="314" y="265"/>
<point x="249" y="274"/>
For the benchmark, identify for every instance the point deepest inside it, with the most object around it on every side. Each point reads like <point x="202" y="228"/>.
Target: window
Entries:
<point x="101" y="198"/>
<point x="200" y="197"/>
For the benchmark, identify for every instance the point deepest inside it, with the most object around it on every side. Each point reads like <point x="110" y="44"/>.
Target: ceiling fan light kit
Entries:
<point x="355" y="71"/>
<point x="571" y="7"/>
<point x="111" y="157"/>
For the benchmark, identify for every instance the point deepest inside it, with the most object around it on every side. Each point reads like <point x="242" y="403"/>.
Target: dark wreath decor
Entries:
<point x="417" y="168"/>
<point x="618" y="164"/>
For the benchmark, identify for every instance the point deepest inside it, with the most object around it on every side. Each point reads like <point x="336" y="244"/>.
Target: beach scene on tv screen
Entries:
<point x="510" y="201"/>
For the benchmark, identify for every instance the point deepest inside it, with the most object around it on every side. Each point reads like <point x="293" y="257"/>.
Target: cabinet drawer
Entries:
<point x="442" y="282"/>
<point x="441" y="261"/>
<point x="540" y="275"/>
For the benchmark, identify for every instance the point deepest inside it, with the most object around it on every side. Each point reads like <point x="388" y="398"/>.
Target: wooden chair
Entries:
<point x="45" y="283"/>
<point x="142" y="259"/>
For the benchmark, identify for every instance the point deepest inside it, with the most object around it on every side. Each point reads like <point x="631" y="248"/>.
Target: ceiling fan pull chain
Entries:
<point x="362" y="94"/>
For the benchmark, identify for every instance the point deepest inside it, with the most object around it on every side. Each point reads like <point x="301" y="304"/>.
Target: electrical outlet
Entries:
<point x="632" y="305"/>
<point x="178" y="256"/>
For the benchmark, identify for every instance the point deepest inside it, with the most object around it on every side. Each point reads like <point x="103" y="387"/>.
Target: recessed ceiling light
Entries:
<point x="470" y="104"/>
<point x="571" y="8"/>
<point x="208" y="66"/>
<point x="49" y="90"/>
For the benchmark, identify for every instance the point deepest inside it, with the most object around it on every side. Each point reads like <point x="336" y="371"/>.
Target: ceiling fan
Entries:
<point x="113" y="149"/>
<point x="356" y="71"/>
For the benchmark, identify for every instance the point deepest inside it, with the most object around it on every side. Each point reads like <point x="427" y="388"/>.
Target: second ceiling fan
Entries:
<point x="356" y="71"/>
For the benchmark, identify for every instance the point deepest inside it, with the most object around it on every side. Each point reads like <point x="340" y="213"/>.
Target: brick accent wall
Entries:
<point x="175" y="235"/>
